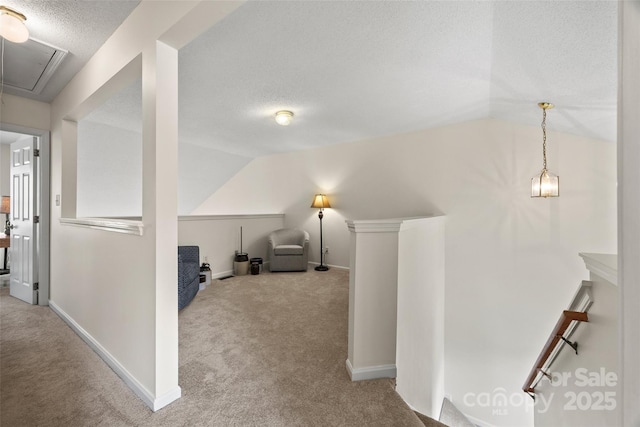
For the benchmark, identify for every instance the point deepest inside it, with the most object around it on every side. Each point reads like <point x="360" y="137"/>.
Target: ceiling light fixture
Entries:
<point x="284" y="117"/>
<point x="546" y="184"/>
<point x="12" y="25"/>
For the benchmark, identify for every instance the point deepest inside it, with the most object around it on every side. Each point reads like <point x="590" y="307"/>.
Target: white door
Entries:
<point x="24" y="271"/>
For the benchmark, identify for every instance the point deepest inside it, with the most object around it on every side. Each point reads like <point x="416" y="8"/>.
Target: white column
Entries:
<point x="629" y="208"/>
<point x="373" y="288"/>
<point x="396" y="306"/>
<point x="160" y="207"/>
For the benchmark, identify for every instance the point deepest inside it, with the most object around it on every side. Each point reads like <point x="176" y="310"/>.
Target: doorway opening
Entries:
<point x="25" y="182"/>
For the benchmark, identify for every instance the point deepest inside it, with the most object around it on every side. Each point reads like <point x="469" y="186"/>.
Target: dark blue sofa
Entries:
<point x="188" y="274"/>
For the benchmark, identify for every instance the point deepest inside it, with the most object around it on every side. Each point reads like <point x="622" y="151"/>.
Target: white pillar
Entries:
<point x="396" y="306"/>
<point x="160" y="207"/>
<point x="373" y="288"/>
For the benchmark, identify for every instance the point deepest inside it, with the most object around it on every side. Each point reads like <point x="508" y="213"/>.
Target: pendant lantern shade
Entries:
<point x="545" y="184"/>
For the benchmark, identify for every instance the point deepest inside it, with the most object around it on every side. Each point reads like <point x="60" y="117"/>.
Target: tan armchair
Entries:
<point x="288" y="250"/>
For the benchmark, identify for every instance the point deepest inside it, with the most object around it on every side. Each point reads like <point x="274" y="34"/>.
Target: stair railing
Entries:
<point x="560" y="336"/>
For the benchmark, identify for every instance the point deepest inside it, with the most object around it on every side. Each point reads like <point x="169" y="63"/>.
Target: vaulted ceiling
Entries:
<point x="354" y="70"/>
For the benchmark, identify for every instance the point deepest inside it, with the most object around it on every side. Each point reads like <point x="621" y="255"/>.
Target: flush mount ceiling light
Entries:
<point x="284" y="117"/>
<point x="12" y="25"/>
<point x="545" y="184"/>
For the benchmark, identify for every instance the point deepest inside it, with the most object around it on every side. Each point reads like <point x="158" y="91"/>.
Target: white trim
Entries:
<point x="583" y="298"/>
<point x="387" y="225"/>
<point x="265" y="267"/>
<point x="44" y="210"/>
<point x="371" y="372"/>
<point x="478" y="422"/>
<point x="119" y="226"/>
<point x="222" y="274"/>
<point x="374" y="226"/>
<point x="153" y="403"/>
<point x="603" y="265"/>
<point x="167" y="398"/>
<point x="337" y="267"/>
<point x="227" y="217"/>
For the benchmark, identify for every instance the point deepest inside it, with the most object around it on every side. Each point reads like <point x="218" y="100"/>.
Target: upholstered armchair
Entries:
<point x="288" y="250"/>
<point x="188" y="274"/>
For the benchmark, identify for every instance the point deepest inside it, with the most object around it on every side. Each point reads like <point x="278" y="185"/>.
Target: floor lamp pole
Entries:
<point x="321" y="267"/>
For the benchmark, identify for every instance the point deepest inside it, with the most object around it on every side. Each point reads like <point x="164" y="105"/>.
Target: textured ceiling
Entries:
<point x="348" y="71"/>
<point x="78" y="26"/>
<point x="354" y="70"/>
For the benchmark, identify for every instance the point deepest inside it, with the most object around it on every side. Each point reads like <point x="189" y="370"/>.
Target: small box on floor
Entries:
<point x="256" y="265"/>
<point x="205" y="275"/>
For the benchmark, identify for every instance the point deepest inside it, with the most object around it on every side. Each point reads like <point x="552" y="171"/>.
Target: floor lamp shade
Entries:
<point x="320" y="201"/>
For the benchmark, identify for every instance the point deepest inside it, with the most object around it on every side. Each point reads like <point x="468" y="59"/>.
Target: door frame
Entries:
<point x="44" y="205"/>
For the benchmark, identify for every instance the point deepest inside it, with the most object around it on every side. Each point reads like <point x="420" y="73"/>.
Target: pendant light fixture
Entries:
<point x="12" y="26"/>
<point x="545" y="184"/>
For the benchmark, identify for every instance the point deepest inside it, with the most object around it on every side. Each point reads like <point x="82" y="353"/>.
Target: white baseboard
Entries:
<point x="371" y="372"/>
<point x="165" y="399"/>
<point x="478" y="422"/>
<point x="266" y="268"/>
<point x="155" y="403"/>
<point x="337" y="267"/>
<point x="222" y="274"/>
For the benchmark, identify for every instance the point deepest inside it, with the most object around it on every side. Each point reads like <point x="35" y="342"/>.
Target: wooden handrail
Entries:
<point x="563" y="323"/>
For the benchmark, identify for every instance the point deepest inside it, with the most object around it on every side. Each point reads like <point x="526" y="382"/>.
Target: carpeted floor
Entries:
<point x="264" y="350"/>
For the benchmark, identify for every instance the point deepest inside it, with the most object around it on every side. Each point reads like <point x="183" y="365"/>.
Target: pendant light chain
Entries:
<point x="545" y="184"/>
<point x="544" y="139"/>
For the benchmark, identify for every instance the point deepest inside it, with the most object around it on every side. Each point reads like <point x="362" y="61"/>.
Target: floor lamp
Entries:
<point x="321" y="201"/>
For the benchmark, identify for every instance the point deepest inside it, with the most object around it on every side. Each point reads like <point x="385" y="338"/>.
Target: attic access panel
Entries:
<point x="28" y="66"/>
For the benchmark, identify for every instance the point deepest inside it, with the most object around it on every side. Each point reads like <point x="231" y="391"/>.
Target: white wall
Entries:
<point x="584" y="387"/>
<point x="118" y="289"/>
<point x="201" y="172"/>
<point x="219" y="237"/>
<point x="20" y="115"/>
<point x="506" y="253"/>
<point x="25" y="113"/>
<point x="420" y="325"/>
<point x="109" y="171"/>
